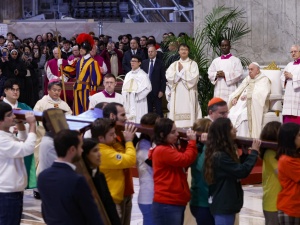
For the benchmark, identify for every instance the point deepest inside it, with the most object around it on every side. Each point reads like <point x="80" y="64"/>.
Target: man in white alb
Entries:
<point x="290" y="80"/>
<point x="225" y="72"/>
<point x="108" y="94"/>
<point x="182" y="77"/>
<point x="136" y="87"/>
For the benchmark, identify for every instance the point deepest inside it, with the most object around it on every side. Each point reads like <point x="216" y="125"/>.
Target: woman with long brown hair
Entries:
<point x="288" y="155"/>
<point x="171" y="190"/>
<point x="223" y="171"/>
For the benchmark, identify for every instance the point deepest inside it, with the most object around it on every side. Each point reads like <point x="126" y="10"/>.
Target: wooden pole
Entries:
<point x="87" y="120"/>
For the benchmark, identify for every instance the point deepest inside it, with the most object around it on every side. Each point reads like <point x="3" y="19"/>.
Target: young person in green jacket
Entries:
<point x="223" y="171"/>
<point x="199" y="188"/>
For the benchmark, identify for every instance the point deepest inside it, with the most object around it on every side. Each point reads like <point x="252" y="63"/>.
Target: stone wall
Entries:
<point x="274" y="27"/>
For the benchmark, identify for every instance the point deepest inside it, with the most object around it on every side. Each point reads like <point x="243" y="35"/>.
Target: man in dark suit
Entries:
<point x="159" y="53"/>
<point x="66" y="197"/>
<point x="157" y="74"/>
<point x="128" y="55"/>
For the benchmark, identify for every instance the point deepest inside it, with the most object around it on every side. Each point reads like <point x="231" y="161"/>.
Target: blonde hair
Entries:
<point x="202" y="125"/>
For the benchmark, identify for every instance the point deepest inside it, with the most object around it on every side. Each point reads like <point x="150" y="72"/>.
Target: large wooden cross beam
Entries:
<point x="83" y="122"/>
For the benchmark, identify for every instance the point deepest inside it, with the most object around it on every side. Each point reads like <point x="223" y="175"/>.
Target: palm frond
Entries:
<point x="245" y="61"/>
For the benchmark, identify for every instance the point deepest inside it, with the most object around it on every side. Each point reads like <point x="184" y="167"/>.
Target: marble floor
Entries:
<point x="251" y="214"/>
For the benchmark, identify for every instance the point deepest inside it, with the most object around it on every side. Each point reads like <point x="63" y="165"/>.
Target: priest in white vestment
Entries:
<point x="225" y="72"/>
<point x="249" y="102"/>
<point x="136" y="87"/>
<point x="108" y="94"/>
<point x="290" y="80"/>
<point x="182" y="77"/>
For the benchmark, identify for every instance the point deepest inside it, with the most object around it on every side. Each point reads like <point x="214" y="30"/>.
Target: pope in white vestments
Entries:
<point x="225" y="72"/>
<point x="136" y="87"/>
<point x="249" y="102"/>
<point x="182" y="77"/>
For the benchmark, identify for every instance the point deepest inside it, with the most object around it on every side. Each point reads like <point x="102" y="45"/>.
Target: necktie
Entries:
<point x="151" y="68"/>
<point x="133" y="52"/>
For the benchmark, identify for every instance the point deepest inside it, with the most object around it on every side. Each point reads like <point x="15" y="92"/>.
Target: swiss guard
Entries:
<point x="88" y="75"/>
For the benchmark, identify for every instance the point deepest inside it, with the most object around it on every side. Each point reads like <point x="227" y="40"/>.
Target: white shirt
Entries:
<point x="15" y="106"/>
<point x="47" y="153"/>
<point x="100" y="97"/>
<point x="13" y="176"/>
<point x="150" y="64"/>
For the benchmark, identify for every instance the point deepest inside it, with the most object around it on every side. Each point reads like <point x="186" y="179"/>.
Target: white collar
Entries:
<point x="153" y="60"/>
<point x="87" y="56"/>
<point x="94" y="171"/>
<point x="184" y="60"/>
<point x="58" y="100"/>
<point x="14" y="106"/>
<point x="135" y="71"/>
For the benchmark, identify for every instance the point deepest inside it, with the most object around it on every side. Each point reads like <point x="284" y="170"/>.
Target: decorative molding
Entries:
<point x="272" y="66"/>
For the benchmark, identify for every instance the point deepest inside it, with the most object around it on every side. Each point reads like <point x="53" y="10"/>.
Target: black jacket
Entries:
<point x="158" y="78"/>
<point x="105" y="196"/>
<point x="127" y="57"/>
<point x="226" y="193"/>
<point x="66" y="197"/>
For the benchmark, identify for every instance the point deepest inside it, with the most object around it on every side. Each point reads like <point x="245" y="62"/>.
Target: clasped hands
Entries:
<point x="288" y="75"/>
<point x="220" y="74"/>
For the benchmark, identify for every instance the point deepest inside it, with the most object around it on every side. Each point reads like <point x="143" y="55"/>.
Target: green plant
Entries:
<point x="222" y="23"/>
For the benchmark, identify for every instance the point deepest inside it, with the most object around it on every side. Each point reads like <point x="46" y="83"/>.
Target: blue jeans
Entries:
<point x="164" y="214"/>
<point x="224" y="219"/>
<point x="147" y="214"/>
<point x="11" y="207"/>
<point x="202" y="215"/>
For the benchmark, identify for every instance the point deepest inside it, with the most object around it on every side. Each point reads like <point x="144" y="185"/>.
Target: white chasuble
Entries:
<point x="184" y="104"/>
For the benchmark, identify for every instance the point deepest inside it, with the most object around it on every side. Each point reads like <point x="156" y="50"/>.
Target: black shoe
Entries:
<point x="36" y="195"/>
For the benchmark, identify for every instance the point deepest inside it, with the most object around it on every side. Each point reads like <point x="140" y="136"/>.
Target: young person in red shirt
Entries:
<point x="171" y="190"/>
<point x="288" y="155"/>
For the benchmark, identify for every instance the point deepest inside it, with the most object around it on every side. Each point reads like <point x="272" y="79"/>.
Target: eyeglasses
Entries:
<point x="134" y="61"/>
<point x="293" y="52"/>
<point x="15" y="89"/>
<point x="36" y="48"/>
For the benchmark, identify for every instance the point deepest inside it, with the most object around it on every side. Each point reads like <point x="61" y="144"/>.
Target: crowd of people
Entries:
<point x="214" y="191"/>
